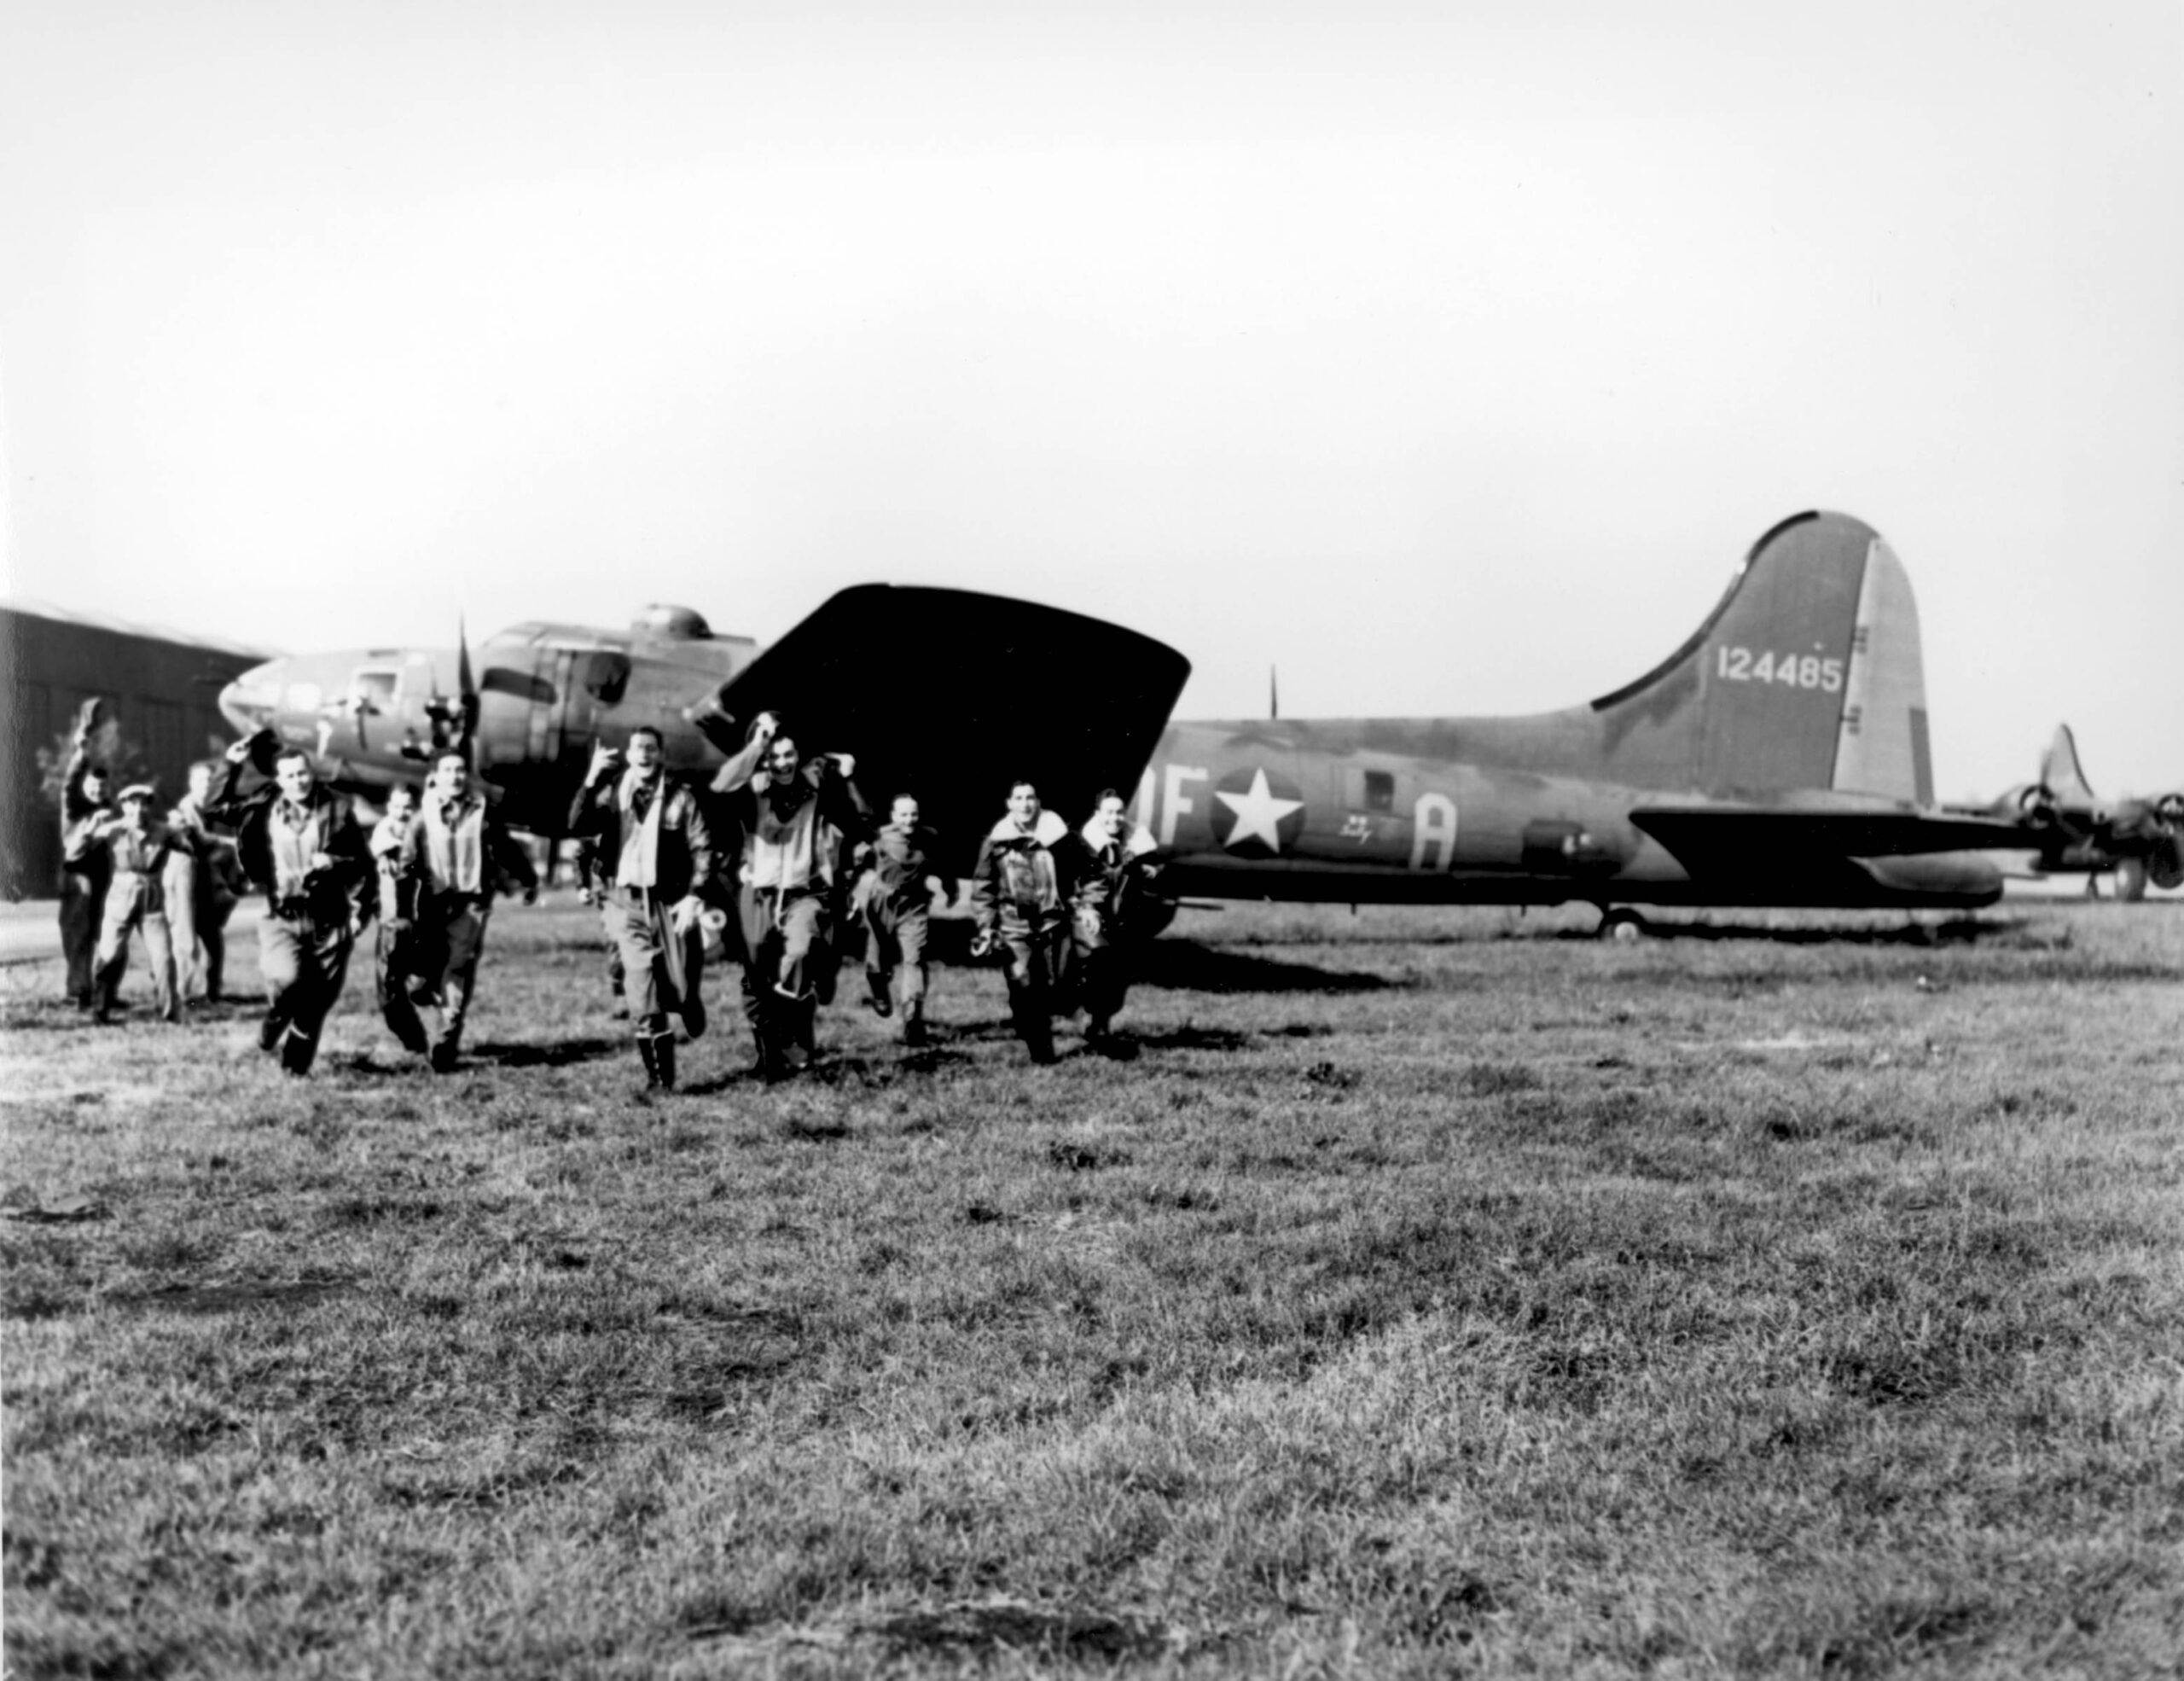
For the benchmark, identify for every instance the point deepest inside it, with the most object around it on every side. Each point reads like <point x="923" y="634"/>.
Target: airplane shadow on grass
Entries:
<point x="62" y="1014"/>
<point x="552" y="1053"/>
<point x="1956" y="930"/>
<point x="1186" y="966"/>
<point x="388" y="1060"/>
<point x="838" y="1070"/>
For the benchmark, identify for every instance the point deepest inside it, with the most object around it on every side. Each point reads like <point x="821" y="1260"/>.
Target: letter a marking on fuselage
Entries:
<point x="1433" y="824"/>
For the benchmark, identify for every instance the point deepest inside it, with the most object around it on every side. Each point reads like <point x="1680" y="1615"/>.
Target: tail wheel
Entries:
<point x="2130" y="880"/>
<point x="1620" y="923"/>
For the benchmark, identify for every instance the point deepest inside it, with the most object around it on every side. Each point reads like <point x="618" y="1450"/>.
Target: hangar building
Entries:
<point x="162" y="689"/>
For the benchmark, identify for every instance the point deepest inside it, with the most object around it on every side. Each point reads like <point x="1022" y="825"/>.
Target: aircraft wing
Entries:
<point x="950" y="696"/>
<point x="1714" y="840"/>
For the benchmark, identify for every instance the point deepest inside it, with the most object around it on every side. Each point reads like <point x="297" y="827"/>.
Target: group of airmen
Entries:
<point x="800" y="868"/>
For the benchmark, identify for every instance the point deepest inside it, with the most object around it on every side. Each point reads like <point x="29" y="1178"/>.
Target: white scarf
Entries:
<point x="1048" y="829"/>
<point x="1136" y="841"/>
<point x="640" y="862"/>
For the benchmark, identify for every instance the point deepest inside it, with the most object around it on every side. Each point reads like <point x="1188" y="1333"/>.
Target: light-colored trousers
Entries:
<point x="136" y="903"/>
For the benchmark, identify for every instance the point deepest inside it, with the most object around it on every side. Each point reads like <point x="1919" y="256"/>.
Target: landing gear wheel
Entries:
<point x="2130" y="880"/>
<point x="1620" y="923"/>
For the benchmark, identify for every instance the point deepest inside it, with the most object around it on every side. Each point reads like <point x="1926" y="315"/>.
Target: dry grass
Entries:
<point x="1418" y="1293"/>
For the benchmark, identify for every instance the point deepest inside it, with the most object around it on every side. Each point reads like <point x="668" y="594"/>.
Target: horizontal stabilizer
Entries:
<point x="950" y="695"/>
<point x="1715" y="840"/>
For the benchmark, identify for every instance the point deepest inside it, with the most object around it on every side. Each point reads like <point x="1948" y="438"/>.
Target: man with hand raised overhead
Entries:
<point x="794" y="819"/>
<point x="300" y="845"/>
<point x="655" y="858"/>
<point x="86" y="791"/>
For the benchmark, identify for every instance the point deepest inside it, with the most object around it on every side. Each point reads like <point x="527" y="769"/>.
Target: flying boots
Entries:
<point x="656" y="1045"/>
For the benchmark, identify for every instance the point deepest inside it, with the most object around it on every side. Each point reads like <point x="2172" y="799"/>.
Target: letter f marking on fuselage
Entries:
<point x="1173" y="804"/>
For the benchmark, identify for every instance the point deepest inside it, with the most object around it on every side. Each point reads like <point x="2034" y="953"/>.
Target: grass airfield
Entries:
<point x="1417" y="1294"/>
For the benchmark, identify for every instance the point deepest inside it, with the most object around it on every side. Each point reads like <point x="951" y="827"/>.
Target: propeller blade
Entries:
<point x="468" y="686"/>
<point x="464" y="681"/>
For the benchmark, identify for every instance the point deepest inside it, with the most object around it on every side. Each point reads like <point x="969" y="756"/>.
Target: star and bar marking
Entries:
<point x="1260" y="814"/>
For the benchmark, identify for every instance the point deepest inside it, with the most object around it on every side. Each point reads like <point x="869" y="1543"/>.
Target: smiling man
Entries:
<point x="84" y="789"/>
<point x="138" y="847"/>
<point x="655" y="857"/>
<point x="793" y="820"/>
<point x="300" y="845"/>
<point x="895" y="898"/>
<point x="202" y="880"/>
<point x="459" y="856"/>
<point x="1117" y="869"/>
<point x="1022" y="886"/>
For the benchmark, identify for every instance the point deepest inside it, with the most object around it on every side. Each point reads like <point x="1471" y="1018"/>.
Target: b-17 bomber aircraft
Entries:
<point x="944" y="692"/>
<point x="1779" y="758"/>
<point x="2071" y="831"/>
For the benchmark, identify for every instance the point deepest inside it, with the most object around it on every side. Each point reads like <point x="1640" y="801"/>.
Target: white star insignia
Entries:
<point x="1258" y="813"/>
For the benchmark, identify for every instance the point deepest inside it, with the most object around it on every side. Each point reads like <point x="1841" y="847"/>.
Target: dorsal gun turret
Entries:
<point x="663" y="621"/>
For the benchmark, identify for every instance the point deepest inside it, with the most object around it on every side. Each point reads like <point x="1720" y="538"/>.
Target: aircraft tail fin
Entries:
<point x="2062" y="775"/>
<point x="1807" y="675"/>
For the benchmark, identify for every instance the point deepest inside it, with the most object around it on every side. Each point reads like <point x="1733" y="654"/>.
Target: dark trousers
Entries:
<point x="304" y="957"/>
<point x="427" y="977"/>
<point x="787" y="965"/>
<point x="1102" y="981"/>
<point x="83" y="902"/>
<point x="393" y="960"/>
<point x="1038" y="979"/>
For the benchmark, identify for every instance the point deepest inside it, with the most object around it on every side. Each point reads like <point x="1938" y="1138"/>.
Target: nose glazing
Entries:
<point x="249" y="702"/>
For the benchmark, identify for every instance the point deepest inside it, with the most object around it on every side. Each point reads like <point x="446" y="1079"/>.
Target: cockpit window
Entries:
<point x="606" y="675"/>
<point x="375" y="690"/>
<point x="1379" y="791"/>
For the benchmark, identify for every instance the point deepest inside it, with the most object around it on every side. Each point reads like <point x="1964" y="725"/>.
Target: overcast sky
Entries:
<point x="1447" y="357"/>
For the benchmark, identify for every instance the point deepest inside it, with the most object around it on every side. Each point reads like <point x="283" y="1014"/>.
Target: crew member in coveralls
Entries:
<point x="138" y="847"/>
<point x="794" y="820"/>
<point x="394" y="946"/>
<point x="84" y="863"/>
<point x="459" y="856"/>
<point x="202" y="883"/>
<point x="301" y="846"/>
<point x="1022" y="886"/>
<point x="656" y="854"/>
<point x="1117" y="869"/>
<point x="895" y="898"/>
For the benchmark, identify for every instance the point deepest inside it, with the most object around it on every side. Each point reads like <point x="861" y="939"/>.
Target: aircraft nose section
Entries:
<point x="249" y="702"/>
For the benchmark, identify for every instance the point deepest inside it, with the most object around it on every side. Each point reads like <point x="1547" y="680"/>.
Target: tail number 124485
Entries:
<point x="1792" y="671"/>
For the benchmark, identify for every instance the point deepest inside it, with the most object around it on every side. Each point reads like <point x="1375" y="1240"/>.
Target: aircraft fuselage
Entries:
<point x="547" y="694"/>
<point x="1337" y="811"/>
